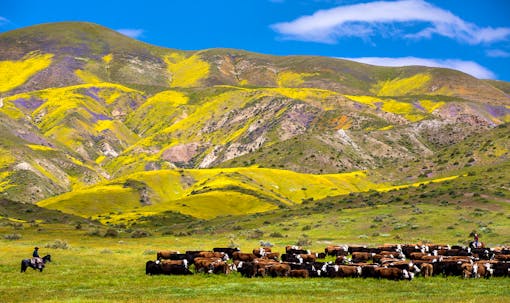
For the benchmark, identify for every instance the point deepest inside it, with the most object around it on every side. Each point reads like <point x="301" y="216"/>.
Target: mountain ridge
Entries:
<point x="89" y="106"/>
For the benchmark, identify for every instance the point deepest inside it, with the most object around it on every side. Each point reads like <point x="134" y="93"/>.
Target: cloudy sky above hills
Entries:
<point x="471" y="36"/>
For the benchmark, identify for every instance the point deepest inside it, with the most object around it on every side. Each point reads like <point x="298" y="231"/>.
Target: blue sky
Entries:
<point x="472" y="36"/>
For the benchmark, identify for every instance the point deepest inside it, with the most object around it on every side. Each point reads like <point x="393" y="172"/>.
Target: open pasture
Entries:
<point x="97" y="269"/>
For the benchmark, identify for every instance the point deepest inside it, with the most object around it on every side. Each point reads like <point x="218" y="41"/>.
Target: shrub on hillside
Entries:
<point x="304" y="241"/>
<point x="140" y="234"/>
<point x="94" y="232"/>
<point x="12" y="237"/>
<point x="276" y="235"/>
<point x="112" y="233"/>
<point x="256" y="234"/>
<point x="58" y="244"/>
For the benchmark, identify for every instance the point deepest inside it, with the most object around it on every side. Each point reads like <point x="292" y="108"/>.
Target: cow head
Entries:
<point x="407" y="275"/>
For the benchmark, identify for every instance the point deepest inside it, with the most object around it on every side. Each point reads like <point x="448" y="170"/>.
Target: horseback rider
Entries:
<point x="475" y="244"/>
<point x="36" y="259"/>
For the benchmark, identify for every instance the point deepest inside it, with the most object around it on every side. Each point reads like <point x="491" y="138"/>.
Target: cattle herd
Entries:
<point x="395" y="262"/>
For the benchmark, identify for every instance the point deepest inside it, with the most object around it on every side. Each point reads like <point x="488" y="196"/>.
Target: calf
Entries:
<point x="426" y="270"/>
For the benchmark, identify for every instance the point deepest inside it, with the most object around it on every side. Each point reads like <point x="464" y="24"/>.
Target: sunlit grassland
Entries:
<point x="403" y="86"/>
<point x="15" y="73"/>
<point x="291" y="79"/>
<point x="96" y="269"/>
<point x="186" y="72"/>
<point x="208" y="193"/>
<point x="406" y="109"/>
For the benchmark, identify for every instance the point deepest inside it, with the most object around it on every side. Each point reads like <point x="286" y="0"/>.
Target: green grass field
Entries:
<point x="99" y="269"/>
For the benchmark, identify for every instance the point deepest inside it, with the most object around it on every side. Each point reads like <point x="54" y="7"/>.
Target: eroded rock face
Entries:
<point x="182" y="153"/>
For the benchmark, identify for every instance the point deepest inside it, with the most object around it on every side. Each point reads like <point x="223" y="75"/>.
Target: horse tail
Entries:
<point x="23" y="266"/>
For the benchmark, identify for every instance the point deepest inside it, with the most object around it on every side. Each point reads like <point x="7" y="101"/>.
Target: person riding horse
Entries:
<point x="36" y="259"/>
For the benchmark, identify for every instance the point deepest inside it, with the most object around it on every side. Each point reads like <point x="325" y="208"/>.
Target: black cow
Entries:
<point x="246" y="269"/>
<point x="153" y="268"/>
<point x="227" y="250"/>
<point x="291" y="258"/>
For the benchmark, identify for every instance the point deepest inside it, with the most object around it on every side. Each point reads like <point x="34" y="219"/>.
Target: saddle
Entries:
<point x="36" y="261"/>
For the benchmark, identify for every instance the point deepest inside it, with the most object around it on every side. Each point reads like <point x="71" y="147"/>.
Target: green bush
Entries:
<point x="140" y="234"/>
<point x="275" y="235"/>
<point x="57" y="244"/>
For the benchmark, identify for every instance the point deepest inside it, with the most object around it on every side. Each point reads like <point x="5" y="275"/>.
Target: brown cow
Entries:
<point x="243" y="256"/>
<point x="335" y="250"/>
<point x="167" y="266"/>
<point x="203" y="264"/>
<point x="299" y="273"/>
<point x="418" y="255"/>
<point x="308" y="257"/>
<point x="261" y="251"/>
<point x="219" y="267"/>
<point x="349" y="271"/>
<point x="341" y="260"/>
<point x="165" y="254"/>
<point x="279" y="270"/>
<point x="272" y="256"/>
<point x="262" y="266"/>
<point x="261" y="271"/>
<point x="174" y="262"/>
<point x="358" y="257"/>
<point x="484" y="269"/>
<point x="392" y="273"/>
<point x="468" y="270"/>
<point x="210" y="254"/>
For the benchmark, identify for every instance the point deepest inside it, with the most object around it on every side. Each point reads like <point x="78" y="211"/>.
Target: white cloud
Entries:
<point x="468" y="67"/>
<point x="131" y="32"/>
<point x="497" y="53"/>
<point x="368" y="19"/>
<point x="3" y="20"/>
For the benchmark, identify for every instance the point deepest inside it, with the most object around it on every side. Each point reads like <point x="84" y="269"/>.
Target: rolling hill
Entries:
<point x="99" y="125"/>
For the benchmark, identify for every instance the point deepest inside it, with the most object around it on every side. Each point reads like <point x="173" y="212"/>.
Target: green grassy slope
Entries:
<point x="208" y="193"/>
